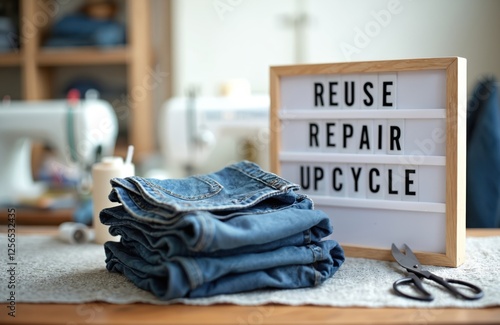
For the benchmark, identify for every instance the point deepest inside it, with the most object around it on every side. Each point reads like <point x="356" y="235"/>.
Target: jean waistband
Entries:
<point x="235" y="187"/>
<point x="252" y="170"/>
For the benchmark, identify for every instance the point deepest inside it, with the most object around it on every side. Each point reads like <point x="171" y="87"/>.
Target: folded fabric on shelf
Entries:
<point x="234" y="230"/>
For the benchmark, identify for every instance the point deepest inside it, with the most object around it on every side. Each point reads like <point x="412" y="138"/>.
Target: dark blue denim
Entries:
<point x="234" y="230"/>
<point x="285" y="267"/>
<point x="82" y="30"/>
<point x="483" y="156"/>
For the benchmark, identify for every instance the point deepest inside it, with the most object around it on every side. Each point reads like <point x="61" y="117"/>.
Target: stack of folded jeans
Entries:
<point x="235" y="230"/>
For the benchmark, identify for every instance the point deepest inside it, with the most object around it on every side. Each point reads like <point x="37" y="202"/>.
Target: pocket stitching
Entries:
<point x="213" y="184"/>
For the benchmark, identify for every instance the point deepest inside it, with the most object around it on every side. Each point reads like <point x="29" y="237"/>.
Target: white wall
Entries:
<point x="211" y="46"/>
<point x="418" y="29"/>
<point x="216" y="40"/>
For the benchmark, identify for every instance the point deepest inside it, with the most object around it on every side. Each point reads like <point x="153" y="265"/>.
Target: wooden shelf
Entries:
<point x="32" y="216"/>
<point x="10" y="59"/>
<point x="82" y="56"/>
<point x="37" y="64"/>
<point x="36" y="67"/>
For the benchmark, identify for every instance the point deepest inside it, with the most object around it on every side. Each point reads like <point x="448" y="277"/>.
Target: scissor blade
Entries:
<point x="409" y="253"/>
<point x="407" y="260"/>
<point x="398" y="256"/>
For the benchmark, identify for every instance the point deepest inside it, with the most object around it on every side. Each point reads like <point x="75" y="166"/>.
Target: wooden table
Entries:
<point x="104" y="313"/>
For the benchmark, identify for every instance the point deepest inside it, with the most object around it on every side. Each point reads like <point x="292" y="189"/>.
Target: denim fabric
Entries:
<point x="80" y="29"/>
<point x="152" y="211"/>
<point x="204" y="232"/>
<point x="233" y="188"/>
<point x="285" y="267"/>
<point x="199" y="234"/>
<point x="237" y="229"/>
<point x="483" y="157"/>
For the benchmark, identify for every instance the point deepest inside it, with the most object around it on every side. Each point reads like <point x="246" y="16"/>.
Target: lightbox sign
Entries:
<point x="380" y="147"/>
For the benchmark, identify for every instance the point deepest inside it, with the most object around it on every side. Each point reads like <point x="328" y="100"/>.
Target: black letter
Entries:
<point x="368" y="102"/>
<point x="376" y="188"/>
<point x="303" y="184"/>
<point x="347" y="134"/>
<point x="380" y="137"/>
<point x="391" y="191"/>
<point x="346" y="93"/>
<point x="336" y="170"/>
<point x="409" y="182"/>
<point x="313" y="134"/>
<point x="329" y="134"/>
<point x="386" y="93"/>
<point x="318" y="93"/>
<point x="364" y="138"/>
<point x="333" y="93"/>
<point x="318" y="175"/>
<point x="356" y="177"/>
<point x="395" y="135"/>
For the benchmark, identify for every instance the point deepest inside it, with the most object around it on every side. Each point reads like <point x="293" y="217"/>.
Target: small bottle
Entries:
<point x="102" y="173"/>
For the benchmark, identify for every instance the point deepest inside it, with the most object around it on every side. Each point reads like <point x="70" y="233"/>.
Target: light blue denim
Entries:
<point x="200" y="233"/>
<point x="234" y="230"/>
<point x="226" y="192"/>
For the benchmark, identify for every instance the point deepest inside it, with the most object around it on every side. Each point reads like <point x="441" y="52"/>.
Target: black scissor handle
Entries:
<point x="448" y="284"/>
<point x="415" y="280"/>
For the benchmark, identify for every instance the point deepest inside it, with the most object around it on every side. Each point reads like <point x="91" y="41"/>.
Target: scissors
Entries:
<point x="409" y="261"/>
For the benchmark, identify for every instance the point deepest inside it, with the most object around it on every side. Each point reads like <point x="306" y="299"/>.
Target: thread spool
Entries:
<point x="102" y="173"/>
<point x="75" y="233"/>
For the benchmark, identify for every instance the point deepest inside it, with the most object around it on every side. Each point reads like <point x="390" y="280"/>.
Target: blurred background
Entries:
<point x="155" y="60"/>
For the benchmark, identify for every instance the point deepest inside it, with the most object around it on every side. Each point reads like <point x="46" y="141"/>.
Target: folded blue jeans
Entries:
<point x="285" y="267"/>
<point x="234" y="188"/>
<point x="200" y="232"/>
<point x="234" y="230"/>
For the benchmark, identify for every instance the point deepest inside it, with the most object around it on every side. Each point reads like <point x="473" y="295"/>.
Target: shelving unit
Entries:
<point x="37" y="63"/>
<point x="10" y="60"/>
<point x="82" y="56"/>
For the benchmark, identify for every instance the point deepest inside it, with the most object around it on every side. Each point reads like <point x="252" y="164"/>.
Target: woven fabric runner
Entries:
<point x="50" y="271"/>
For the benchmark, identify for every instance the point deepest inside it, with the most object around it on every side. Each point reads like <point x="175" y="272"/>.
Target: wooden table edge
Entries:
<point x="107" y="313"/>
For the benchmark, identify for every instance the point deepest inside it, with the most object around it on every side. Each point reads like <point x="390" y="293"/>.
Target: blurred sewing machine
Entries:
<point x="78" y="131"/>
<point x="202" y="134"/>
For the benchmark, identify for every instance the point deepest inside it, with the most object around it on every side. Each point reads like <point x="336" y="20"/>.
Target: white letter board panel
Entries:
<point x="380" y="147"/>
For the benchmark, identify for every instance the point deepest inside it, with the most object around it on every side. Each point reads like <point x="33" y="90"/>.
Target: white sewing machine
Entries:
<point x="80" y="131"/>
<point x="200" y="135"/>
